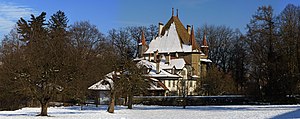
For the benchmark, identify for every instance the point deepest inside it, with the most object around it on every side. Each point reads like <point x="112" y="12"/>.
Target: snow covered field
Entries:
<point x="160" y="112"/>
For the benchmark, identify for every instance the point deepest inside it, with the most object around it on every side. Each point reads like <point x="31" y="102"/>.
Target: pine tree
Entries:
<point x="42" y="65"/>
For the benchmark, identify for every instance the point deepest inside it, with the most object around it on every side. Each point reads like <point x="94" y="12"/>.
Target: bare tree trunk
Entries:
<point x="44" y="111"/>
<point x="96" y="101"/>
<point x="125" y="103"/>
<point x="111" y="106"/>
<point x="130" y="98"/>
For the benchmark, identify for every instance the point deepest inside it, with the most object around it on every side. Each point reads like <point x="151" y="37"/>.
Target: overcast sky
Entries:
<point x="108" y="14"/>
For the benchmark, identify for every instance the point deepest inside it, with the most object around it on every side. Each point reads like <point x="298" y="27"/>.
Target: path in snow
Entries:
<point x="160" y="112"/>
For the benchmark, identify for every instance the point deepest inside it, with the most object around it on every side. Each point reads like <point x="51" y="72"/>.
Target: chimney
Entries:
<point x="172" y="11"/>
<point x="157" y="68"/>
<point x="157" y="61"/>
<point x="142" y="45"/>
<point x="168" y="58"/>
<point x="173" y="69"/>
<point x="160" y="26"/>
<point x="188" y="28"/>
<point x="155" y="55"/>
<point x="177" y="12"/>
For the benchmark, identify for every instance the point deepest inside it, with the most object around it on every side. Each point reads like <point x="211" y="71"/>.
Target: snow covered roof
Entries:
<point x="100" y="86"/>
<point x="154" y="79"/>
<point x="178" y="63"/>
<point x="169" y="42"/>
<point x="206" y="60"/>
<point x="104" y="84"/>
<point x="155" y="84"/>
<point x="162" y="73"/>
<point x="180" y="29"/>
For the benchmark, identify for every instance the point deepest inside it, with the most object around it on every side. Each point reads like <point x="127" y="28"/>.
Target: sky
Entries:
<point x="109" y="14"/>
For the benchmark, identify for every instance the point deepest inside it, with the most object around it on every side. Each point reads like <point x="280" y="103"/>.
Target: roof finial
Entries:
<point x="172" y="11"/>
<point x="177" y="12"/>
<point x="193" y="40"/>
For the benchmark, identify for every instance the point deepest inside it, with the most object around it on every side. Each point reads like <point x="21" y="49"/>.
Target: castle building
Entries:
<point x="173" y="62"/>
<point x="174" y="58"/>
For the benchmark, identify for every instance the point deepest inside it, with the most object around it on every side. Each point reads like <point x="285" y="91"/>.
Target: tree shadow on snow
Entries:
<point x="10" y="115"/>
<point x="200" y="108"/>
<point x="289" y="115"/>
<point x="94" y="108"/>
<point x="217" y="108"/>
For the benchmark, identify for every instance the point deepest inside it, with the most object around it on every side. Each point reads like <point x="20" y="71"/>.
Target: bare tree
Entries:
<point x="130" y="81"/>
<point x="217" y="83"/>
<point x="220" y="40"/>
<point x="12" y="97"/>
<point x="90" y="54"/>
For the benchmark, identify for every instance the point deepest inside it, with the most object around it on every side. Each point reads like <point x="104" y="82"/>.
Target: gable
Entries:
<point x="181" y="30"/>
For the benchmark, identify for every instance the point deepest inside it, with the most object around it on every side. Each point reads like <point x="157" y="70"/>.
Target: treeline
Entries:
<point x="50" y="60"/>
<point x="263" y="63"/>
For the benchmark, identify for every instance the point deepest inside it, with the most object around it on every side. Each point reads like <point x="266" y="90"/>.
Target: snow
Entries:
<point x="160" y="112"/>
<point x="101" y="86"/>
<point x="154" y="79"/>
<point x="152" y="67"/>
<point x="206" y="60"/>
<point x="178" y="63"/>
<point x="168" y="43"/>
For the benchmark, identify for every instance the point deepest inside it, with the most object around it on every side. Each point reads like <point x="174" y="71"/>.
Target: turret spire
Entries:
<point x="204" y="42"/>
<point x="193" y="40"/>
<point x="143" y="38"/>
<point x="204" y="46"/>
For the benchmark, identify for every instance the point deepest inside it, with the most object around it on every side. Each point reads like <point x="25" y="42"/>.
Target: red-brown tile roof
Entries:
<point x="204" y="42"/>
<point x="193" y="40"/>
<point x="143" y="39"/>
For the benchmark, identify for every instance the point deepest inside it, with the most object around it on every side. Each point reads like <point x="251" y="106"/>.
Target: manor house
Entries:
<point x="173" y="62"/>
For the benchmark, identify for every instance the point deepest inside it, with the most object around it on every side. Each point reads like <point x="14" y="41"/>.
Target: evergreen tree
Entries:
<point x="42" y="63"/>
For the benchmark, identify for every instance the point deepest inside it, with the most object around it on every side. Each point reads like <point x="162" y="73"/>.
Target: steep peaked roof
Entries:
<point x="168" y="43"/>
<point x="204" y="42"/>
<point x="104" y="84"/>
<point x="181" y="30"/>
<point x="193" y="40"/>
<point x="143" y="39"/>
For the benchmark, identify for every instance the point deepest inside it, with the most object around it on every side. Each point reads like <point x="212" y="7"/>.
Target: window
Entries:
<point x="169" y="83"/>
<point x="191" y="83"/>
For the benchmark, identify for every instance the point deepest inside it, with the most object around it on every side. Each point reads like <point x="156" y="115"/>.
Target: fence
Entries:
<point x="192" y="100"/>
